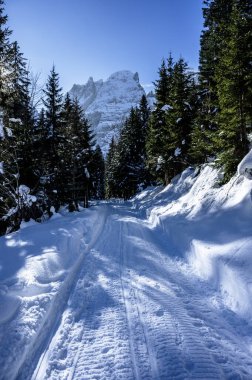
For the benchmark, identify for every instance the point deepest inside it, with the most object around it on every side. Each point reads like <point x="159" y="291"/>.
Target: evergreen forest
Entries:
<point x="48" y="153"/>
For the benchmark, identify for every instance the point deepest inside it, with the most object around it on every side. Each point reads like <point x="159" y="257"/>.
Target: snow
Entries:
<point x="9" y="132"/>
<point x="37" y="267"/>
<point x="211" y="229"/>
<point x="166" y="107"/>
<point x="155" y="288"/>
<point x="188" y="105"/>
<point x="160" y="162"/>
<point x="1" y="128"/>
<point x="177" y="152"/>
<point x="15" y="120"/>
<point x="245" y="166"/>
<point x="87" y="173"/>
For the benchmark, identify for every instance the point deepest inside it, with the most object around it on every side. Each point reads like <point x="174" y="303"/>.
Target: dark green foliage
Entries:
<point x="45" y="161"/>
<point x="76" y="154"/>
<point x="170" y="125"/>
<point x="16" y="119"/>
<point x="97" y="173"/>
<point x="52" y="139"/>
<point x="5" y="56"/>
<point x="233" y="78"/>
<point x="111" y="171"/>
<point x="125" y="166"/>
<point x="224" y="114"/>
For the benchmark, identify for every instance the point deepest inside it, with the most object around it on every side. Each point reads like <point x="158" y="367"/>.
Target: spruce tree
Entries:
<point x="17" y="175"/>
<point x="170" y="125"/>
<point x="162" y="85"/>
<point x="233" y="78"/>
<point x="52" y="178"/>
<point x="5" y="52"/>
<point x="97" y="173"/>
<point x="224" y="115"/>
<point x="112" y="173"/>
<point x="158" y="134"/>
<point x="127" y="161"/>
<point x="77" y="145"/>
<point x="206" y="123"/>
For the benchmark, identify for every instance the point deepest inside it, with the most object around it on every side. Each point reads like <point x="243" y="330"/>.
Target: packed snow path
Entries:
<point x="133" y="314"/>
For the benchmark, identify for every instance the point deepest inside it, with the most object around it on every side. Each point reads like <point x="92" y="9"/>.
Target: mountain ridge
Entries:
<point x="107" y="103"/>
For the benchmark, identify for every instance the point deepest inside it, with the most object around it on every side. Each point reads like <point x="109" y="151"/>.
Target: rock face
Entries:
<point x="107" y="104"/>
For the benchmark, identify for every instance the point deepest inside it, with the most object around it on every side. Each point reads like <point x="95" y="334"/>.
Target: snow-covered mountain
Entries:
<point x="107" y="103"/>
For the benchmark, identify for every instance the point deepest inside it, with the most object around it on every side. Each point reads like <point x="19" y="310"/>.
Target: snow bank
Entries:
<point x="245" y="166"/>
<point x="38" y="265"/>
<point x="208" y="229"/>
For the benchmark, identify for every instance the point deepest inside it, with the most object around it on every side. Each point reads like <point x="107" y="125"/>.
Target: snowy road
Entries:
<point x="133" y="313"/>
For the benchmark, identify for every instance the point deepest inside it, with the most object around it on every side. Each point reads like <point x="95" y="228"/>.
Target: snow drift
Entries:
<point x="204" y="228"/>
<point x="208" y="228"/>
<point x="38" y="265"/>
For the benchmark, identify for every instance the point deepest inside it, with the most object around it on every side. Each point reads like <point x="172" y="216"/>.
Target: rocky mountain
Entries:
<point x="107" y="103"/>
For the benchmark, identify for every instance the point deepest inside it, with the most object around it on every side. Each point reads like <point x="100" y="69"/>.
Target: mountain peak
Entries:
<point x="108" y="103"/>
<point x="90" y="80"/>
<point x="124" y="75"/>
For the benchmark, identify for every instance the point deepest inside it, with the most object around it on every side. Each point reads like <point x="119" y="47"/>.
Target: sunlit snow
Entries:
<point x="155" y="288"/>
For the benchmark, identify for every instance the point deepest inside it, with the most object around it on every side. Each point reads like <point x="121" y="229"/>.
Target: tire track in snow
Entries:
<point x="37" y="355"/>
<point x="199" y="331"/>
<point x="132" y="314"/>
<point x="161" y="330"/>
<point x="92" y="341"/>
<point x="105" y="352"/>
<point x="175" y="340"/>
<point x="140" y="349"/>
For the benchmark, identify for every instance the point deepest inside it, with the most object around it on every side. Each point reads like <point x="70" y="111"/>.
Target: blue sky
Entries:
<point x="98" y="37"/>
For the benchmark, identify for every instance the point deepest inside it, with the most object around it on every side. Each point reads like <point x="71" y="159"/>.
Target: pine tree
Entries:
<point x="206" y="123"/>
<point x="224" y="117"/>
<point x="170" y="125"/>
<point x="110" y="165"/>
<point x="97" y="173"/>
<point x="233" y="78"/>
<point x="126" y="162"/>
<point x="17" y="177"/>
<point x="157" y="133"/>
<point x="162" y="85"/>
<point x="5" y="52"/>
<point x="53" y="167"/>
<point x="156" y="146"/>
<point x="77" y="146"/>
<point x="145" y="112"/>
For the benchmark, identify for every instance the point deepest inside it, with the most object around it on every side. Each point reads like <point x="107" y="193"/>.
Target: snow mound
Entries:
<point x="245" y="166"/>
<point x="38" y="266"/>
<point x="9" y="306"/>
<point x="208" y="229"/>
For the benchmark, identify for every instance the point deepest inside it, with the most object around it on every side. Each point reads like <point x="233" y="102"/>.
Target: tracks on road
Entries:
<point x="133" y="315"/>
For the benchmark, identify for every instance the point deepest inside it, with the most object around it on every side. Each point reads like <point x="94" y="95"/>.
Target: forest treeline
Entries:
<point x="48" y="155"/>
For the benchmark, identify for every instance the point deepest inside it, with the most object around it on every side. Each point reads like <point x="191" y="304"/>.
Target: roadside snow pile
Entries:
<point x="208" y="229"/>
<point x="245" y="166"/>
<point x="38" y="265"/>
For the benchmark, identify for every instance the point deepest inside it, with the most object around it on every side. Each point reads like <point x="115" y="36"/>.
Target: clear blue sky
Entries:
<point x="98" y="37"/>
